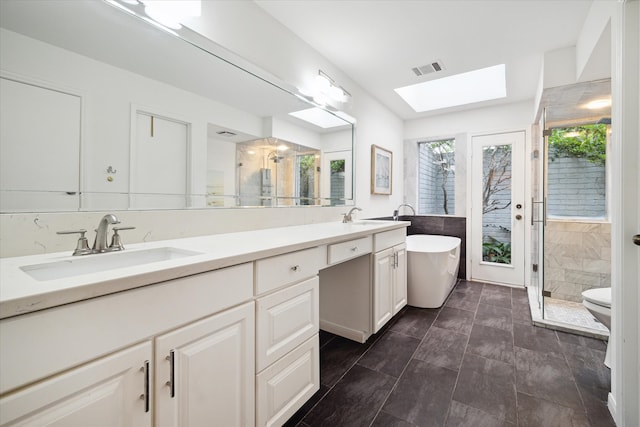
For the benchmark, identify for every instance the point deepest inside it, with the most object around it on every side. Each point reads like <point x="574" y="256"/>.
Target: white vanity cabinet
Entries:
<point x="204" y="372"/>
<point x="112" y="391"/>
<point x="232" y="340"/>
<point x="67" y="364"/>
<point x="389" y="276"/>
<point x="287" y="325"/>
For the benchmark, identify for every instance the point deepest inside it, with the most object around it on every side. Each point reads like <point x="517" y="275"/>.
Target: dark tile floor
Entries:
<point x="477" y="361"/>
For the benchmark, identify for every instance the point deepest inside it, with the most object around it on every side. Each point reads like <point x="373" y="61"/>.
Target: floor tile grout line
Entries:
<point x="388" y="329"/>
<point x="573" y="377"/>
<point x="515" y="360"/>
<point x="464" y="354"/>
<point x="343" y="374"/>
<point x="395" y="385"/>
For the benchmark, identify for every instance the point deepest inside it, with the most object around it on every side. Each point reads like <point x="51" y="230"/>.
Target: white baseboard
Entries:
<point x="340" y="330"/>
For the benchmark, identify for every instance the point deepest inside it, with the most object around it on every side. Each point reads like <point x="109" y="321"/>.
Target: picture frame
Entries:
<point x="381" y="170"/>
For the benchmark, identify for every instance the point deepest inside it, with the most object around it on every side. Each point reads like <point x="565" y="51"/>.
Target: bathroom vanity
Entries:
<point x="214" y="330"/>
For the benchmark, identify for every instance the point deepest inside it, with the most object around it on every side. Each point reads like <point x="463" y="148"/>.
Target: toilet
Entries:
<point x="598" y="302"/>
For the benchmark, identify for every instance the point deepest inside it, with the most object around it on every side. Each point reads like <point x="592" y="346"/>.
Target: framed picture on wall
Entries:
<point x="381" y="170"/>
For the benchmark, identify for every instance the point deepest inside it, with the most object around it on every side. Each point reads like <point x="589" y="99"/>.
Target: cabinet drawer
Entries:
<point x="343" y="251"/>
<point x="286" y="385"/>
<point x="281" y="270"/>
<point x="390" y="238"/>
<point x="285" y="319"/>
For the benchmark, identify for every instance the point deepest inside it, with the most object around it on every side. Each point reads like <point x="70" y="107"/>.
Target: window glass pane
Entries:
<point x="496" y="204"/>
<point x="576" y="173"/>
<point x="306" y="179"/>
<point x="337" y="182"/>
<point x="436" y="177"/>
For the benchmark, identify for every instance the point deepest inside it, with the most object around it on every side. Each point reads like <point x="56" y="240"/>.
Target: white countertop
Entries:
<point x="20" y="293"/>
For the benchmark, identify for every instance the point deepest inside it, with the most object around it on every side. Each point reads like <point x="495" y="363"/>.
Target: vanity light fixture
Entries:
<point x="326" y="90"/>
<point x="171" y="13"/>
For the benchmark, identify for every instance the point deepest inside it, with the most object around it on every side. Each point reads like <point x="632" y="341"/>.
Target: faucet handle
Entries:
<point x="82" y="248"/>
<point x="116" y="241"/>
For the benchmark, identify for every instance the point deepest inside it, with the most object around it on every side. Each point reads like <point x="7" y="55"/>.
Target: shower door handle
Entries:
<point x="636" y="240"/>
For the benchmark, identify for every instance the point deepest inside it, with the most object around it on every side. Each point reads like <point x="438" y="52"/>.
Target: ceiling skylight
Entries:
<point x="460" y="89"/>
<point x="322" y="118"/>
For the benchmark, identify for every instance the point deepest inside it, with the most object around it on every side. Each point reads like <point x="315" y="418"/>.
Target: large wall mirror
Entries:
<point x="101" y="110"/>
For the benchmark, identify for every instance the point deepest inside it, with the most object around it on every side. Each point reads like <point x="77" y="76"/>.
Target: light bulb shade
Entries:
<point x="171" y="13"/>
<point x="336" y="93"/>
<point x="322" y="83"/>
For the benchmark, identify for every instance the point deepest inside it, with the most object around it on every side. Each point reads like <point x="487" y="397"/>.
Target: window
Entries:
<point x="436" y="180"/>
<point x="576" y="172"/>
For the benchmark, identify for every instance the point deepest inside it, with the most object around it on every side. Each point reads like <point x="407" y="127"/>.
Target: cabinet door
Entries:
<point x="205" y="372"/>
<point x="382" y="288"/>
<point x="110" y="392"/>
<point x="400" y="278"/>
<point x="285" y="319"/>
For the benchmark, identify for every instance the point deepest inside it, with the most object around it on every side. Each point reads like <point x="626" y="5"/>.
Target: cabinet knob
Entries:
<point x="295" y="268"/>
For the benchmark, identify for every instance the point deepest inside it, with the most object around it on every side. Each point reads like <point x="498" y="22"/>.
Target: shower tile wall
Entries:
<point x="444" y="226"/>
<point x="577" y="257"/>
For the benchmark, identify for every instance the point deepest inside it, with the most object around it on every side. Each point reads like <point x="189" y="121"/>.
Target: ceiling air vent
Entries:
<point x="226" y="133"/>
<point x="428" y="69"/>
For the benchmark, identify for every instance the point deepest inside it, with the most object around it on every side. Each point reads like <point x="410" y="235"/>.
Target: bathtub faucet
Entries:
<point x="397" y="211"/>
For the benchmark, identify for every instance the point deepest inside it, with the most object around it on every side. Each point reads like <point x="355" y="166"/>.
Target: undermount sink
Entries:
<point x="102" y="262"/>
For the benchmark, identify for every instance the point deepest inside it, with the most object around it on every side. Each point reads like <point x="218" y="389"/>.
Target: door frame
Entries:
<point x="472" y="235"/>
<point x="625" y="273"/>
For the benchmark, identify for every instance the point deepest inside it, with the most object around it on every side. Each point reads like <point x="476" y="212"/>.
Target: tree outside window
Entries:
<point x="436" y="177"/>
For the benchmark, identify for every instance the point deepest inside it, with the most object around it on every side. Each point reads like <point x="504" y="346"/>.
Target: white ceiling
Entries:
<point x="377" y="42"/>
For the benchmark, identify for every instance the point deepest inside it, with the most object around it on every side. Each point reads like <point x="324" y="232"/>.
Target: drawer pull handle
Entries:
<point x="295" y="268"/>
<point x="145" y="396"/>
<point x="353" y="249"/>
<point x="172" y="374"/>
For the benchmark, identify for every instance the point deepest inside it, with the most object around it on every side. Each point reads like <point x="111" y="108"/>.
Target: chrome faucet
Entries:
<point x="100" y="244"/>
<point x="397" y="211"/>
<point x="347" y="216"/>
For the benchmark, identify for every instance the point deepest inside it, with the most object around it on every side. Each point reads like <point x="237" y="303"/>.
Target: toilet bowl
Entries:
<point x="598" y="302"/>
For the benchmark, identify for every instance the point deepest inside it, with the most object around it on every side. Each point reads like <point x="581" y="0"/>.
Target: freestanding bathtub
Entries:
<point x="432" y="268"/>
